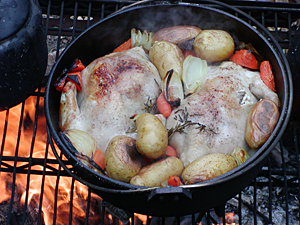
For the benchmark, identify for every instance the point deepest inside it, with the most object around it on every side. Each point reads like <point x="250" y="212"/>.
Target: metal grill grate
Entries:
<point x="19" y="159"/>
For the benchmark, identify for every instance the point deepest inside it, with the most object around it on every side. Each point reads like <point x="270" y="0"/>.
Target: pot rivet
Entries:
<point x="161" y="198"/>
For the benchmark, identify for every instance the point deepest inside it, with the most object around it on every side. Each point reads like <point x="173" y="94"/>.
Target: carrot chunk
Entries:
<point x="244" y="58"/>
<point x="174" y="181"/>
<point x="186" y="53"/>
<point x="163" y="106"/>
<point x="99" y="158"/>
<point x="266" y="75"/>
<point x="171" y="151"/>
<point x="77" y="66"/>
<point x="123" y="47"/>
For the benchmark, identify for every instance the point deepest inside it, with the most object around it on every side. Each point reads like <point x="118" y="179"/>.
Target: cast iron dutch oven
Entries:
<point x="102" y="38"/>
<point x="23" y="50"/>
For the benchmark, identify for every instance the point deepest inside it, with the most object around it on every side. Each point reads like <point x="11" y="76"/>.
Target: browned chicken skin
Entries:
<point x="222" y="106"/>
<point x="114" y="87"/>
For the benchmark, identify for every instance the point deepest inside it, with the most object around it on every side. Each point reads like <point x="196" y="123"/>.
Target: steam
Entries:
<point x="155" y="18"/>
<point x="113" y="31"/>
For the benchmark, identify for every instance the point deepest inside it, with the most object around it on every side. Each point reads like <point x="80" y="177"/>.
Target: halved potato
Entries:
<point x="213" y="45"/>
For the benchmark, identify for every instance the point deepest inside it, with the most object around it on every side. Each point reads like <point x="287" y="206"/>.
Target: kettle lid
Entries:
<point x="13" y="15"/>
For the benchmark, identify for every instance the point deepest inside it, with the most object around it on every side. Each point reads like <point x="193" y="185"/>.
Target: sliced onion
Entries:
<point x="139" y="39"/>
<point x="194" y="74"/>
<point x="172" y="88"/>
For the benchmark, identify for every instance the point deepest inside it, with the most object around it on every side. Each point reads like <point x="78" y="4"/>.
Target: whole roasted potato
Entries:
<point x="166" y="56"/>
<point x="152" y="136"/>
<point x="176" y="34"/>
<point x="208" y="167"/>
<point x="154" y="174"/>
<point x="122" y="160"/>
<point x="213" y="45"/>
<point x="261" y="122"/>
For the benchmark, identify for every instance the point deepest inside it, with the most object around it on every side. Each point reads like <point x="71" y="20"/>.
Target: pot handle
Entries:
<point x="176" y="191"/>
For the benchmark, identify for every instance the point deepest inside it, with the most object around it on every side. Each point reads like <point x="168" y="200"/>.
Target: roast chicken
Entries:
<point x="114" y="88"/>
<point x="215" y="117"/>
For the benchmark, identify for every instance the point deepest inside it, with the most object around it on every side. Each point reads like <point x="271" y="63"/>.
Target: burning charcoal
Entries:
<point x="119" y="213"/>
<point x="210" y="217"/>
<point x="230" y="217"/>
<point x="220" y="211"/>
<point x="16" y="216"/>
<point x="233" y="202"/>
<point x="276" y="157"/>
<point x="163" y="220"/>
<point x="187" y="220"/>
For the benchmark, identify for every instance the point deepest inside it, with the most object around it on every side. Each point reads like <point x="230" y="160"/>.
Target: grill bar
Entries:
<point x="14" y="168"/>
<point x="67" y="19"/>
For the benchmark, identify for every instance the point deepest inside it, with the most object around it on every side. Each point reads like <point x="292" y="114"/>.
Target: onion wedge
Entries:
<point x="240" y="155"/>
<point x="139" y="39"/>
<point x="82" y="141"/>
<point x="194" y="74"/>
<point x="172" y="88"/>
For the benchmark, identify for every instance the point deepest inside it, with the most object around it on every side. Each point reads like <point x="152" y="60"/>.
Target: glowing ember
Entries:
<point x="142" y="218"/>
<point x="229" y="217"/>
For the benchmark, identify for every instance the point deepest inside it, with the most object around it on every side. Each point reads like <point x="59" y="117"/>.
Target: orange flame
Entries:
<point x="33" y="145"/>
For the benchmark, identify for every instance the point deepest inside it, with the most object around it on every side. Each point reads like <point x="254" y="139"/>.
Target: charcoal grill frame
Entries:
<point x="269" y="14"/>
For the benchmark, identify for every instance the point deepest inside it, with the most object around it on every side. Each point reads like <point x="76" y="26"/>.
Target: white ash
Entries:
<point x="262" y="206"/>
<point x="52" y="42"/>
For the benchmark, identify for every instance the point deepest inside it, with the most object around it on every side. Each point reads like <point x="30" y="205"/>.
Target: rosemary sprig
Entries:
<point x="131" y="129"/>
<point x="182" y="116"/>
<point x="150" y="105"/>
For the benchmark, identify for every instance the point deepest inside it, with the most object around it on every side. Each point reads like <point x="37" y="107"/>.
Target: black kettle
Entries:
<point x="23" y="50"/>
